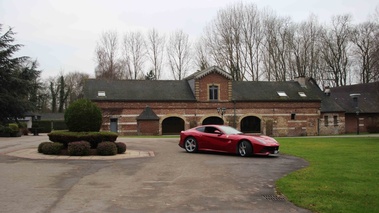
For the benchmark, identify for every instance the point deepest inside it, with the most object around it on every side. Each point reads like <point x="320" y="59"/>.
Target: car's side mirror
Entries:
<point x="218" y="132"/>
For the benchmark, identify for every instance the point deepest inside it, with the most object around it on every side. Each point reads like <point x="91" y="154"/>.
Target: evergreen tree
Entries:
<point x="18" y="80"/>
<point x="63" y="94"/>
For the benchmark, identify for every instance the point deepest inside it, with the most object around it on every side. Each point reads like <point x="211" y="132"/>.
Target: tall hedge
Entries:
<point x="83" y="116"/>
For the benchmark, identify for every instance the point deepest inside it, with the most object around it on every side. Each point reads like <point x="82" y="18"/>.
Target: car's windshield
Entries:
<point x="229" y="130"/>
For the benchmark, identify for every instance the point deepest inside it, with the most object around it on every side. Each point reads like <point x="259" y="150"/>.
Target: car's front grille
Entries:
<point x="270" y="149"/>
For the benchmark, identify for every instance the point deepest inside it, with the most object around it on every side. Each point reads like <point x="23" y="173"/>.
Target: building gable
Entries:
<point x="209" y="70"/>
<point x="148" y="115"/>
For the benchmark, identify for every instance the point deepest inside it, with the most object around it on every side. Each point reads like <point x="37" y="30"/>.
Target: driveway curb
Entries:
<point x="32" y="153"/>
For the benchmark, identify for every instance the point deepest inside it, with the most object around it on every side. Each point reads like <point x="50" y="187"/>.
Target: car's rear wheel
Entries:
<point x="245" y="149"/>
<point x="190" y="144"/>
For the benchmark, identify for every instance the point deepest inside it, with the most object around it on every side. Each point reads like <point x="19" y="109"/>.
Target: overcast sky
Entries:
<point x="62" y="34"/>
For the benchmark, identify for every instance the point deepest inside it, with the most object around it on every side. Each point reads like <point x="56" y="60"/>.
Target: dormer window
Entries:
<point x="282" y="94"/>
<point x="101" y="94"/>
<point x="213" y="92"/>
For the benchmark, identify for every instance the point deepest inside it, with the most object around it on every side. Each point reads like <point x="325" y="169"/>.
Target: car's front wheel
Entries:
<point x="245" y="149"/>
<point x="190" y="144"/>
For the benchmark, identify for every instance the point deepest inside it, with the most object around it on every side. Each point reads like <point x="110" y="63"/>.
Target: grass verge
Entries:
<point x="343" y="175"/>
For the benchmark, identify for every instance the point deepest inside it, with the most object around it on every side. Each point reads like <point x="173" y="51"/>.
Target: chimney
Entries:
<point x="327" y="90"/>
<point x="301" y="80"/>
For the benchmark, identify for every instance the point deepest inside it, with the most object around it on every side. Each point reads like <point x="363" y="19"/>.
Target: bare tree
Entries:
<point x="155" y="49"/>
<point x="64" y="91"/>
<point x="44" y="97"/>
<point x="224" y="40"/>
<point x="107" y="56"/>
<point x="252" y="40"/>
<point x="335" y="49"/>
<point x="365" y="49"/>
<point x="306" y="48"/>
<point x="279" y="34"/>
<point x="134" y="54"/>
<point x="201" y="60"/>
<point x="179" y="54"/>
<point x="75" y="82"/>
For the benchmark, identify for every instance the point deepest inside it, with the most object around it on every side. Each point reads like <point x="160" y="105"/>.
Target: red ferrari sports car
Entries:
<point x="226" y="139"/>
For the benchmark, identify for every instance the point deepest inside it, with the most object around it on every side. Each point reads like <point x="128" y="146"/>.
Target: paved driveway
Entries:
<point x="171" y="181"/>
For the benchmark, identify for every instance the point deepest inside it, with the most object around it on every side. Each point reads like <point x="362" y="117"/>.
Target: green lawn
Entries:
<point x="343" y="175"/>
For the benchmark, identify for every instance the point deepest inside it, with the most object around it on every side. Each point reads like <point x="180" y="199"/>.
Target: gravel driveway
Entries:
<point x="170" y="181"/>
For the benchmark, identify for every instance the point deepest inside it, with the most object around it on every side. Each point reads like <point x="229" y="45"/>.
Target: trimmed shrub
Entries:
<point x="107" y="148"/>
<point x="83" y="116"/>
<point x="15" y="130"/>
<point x="93" y="138"/>
<point x="23" y="128"/>
<point x="5" y="131"/>
<point x="22" y="125"/>
<point x="79" y="148"/>
<point x="121" y="147"/>
<point x="14" y="127"/>
<point x="41" y="145"/>
<point x="52" y="148"/>
<point x="109" y="136"/>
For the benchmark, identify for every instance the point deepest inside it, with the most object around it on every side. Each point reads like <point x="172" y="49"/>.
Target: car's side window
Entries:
<point x="200" y="129"/>
<point x="210" y="130"/>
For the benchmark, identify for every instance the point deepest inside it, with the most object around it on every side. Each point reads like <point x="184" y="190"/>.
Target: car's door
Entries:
<point x="214" y="139"/>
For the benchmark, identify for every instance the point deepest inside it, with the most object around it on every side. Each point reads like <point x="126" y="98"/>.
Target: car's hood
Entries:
<point x="266" y="140"/>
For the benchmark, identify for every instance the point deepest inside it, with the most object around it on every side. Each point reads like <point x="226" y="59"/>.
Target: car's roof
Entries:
<point x="214" y="125"/>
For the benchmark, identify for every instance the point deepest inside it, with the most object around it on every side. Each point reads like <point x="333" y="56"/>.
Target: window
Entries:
<point x="335" y="120"/>
<point x="282" y="94"/>
<point x="211" y="130"/>
<point x="101" y="94"/>
<point x="326" y="120"/>
<point x="200" y="129"/>
<point x="293" y="115"/>
<point x="213" y="93"/>
<point x="355" y="100"/>
<point x="302" y="94"/>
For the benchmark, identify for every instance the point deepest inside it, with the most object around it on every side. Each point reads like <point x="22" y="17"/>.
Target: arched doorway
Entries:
<point x="213" y="120"/>
<point x="251" y="124"/>
<point x="172" y="126"/>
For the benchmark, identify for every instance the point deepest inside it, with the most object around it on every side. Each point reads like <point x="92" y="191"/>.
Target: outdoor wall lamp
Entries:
<point x="221" y="111"/>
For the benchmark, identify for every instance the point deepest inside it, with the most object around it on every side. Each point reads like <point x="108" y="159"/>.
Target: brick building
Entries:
<point x="360" y="104"/>
<point x="148" y="107"/>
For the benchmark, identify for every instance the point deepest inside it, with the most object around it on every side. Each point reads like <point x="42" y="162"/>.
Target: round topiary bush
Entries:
<point x="79" y="148"/>
<point x="121" y="147"/>
<point x="106" y="148"/>
<point x="41" y="145"/>
<point x="52" y="148"/>
<point x="83" y="116"/>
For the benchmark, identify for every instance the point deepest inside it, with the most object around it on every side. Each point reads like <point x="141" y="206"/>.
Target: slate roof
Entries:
<point x="328" y="104"/>
<point x="52" y="116"/>
<point x="138" y="90"/>
<point x="169" y="90"/>
<point x="268" y="91"/>
<point x="148" y="114"/>
<point x="178" y="91"/>
<point x="368" y="100"/>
